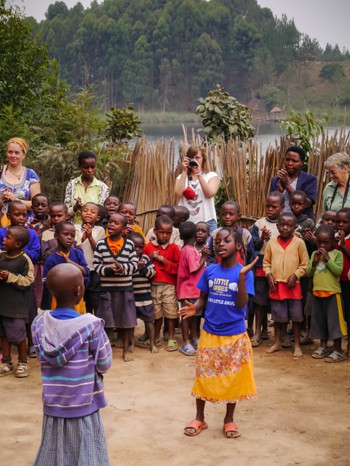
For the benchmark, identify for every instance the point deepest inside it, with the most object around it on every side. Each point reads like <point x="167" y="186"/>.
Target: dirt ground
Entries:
<point x="301" y="415"/>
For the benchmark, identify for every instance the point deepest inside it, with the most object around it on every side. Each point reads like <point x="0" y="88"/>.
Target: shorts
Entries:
<point x="286" y="310"/>
<point x="13" y="329"/>
<point x="327" y="318"/>
<point x="261" y="291"/>
<point x="164" y="301"/>
<point x="145" y="312"/>
<point x="345" y="291"/>
<point x="191" y="300"/>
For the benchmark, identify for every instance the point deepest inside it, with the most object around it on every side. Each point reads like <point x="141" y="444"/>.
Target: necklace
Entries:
<point x="18" y="176"/>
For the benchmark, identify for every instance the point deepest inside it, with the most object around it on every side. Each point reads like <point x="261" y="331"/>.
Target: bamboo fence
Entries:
<point x="245" y="170"/>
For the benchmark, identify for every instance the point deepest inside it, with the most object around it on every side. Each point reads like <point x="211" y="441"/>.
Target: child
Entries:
<point x="58" y="212"/>
<point x="343" y="224"/>
<point x="142" y="291"/>
<point x="327" y="320"/>
<point x="115" y="261"/>
<point x="191" y="267"/>
<point x="129" y="211"/>
<point x="284" y="263"/>
<point x="16" y="276"/>
<point x="329" y="218"/>
<point x="74" y="352"/>
<point x="230" y="214"/>
<point x="40" y="209"/>
<point x="202" y="235"/>
<point x="299" y="205"/>
<point x="165" y="256"/>
<point x="262" y="231"/>
<point x="224" y="362"/>
<point x="64" y="253"/>
<point x="182" y="214"/>
<point x="111" y="205"/>
<point x="87" y="236"/>
<point x="169" y="211"/>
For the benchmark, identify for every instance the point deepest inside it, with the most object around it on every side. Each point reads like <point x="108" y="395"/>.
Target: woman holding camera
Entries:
<point x="196" y="187"/>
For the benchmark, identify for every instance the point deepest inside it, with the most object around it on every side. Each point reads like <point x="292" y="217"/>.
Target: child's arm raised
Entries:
<point x="191" y="308"/>
<point x="242" y="295"/>
<point x="83" y="270"/>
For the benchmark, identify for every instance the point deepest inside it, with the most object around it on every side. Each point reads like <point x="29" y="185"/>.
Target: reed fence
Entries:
<point x="245" y="169"/>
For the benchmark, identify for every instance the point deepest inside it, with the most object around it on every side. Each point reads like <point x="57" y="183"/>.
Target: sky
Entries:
<point x="324" y="20"/>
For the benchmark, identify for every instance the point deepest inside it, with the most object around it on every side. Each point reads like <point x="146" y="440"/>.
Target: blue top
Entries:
<point x="222" y="316"/>
<point x="32" y="249"/>
<point x="75" y="255"/>
<point x="64" y="313"/>
<point x="306" y="182"/>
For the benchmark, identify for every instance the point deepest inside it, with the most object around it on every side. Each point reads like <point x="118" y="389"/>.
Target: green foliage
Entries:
<point x="303" y="128"/>
<point x="224" y="117"/>
<point x="122" y="125"/>
<point x="272" y="96"/>
<point x="332" y="72"/>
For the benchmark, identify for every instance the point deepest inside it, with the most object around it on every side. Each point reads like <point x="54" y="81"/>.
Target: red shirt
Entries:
<point x="167" y="272"/>
<point x="346" y="261"/>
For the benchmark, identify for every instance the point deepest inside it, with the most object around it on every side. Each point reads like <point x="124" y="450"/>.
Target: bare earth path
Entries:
<point x="302" y="414"/>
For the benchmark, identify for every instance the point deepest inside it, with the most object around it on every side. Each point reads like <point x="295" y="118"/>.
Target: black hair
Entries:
<point x="111" y="195"/>
<point x="234" y="204"/>
<point x="182" y="211"/>
<point x="206" y="224"/>
<point x="117" y="214"/>
<point x="299" y="150"/>
<point x="15" y="203"/>
<point x="328" y="212"/>
<point x="171" y="209"/>
<point x="162" y="219"/>
<point x="60" y="225"/>
<point x="298" y="192"/>
<point x="326" y="229"/>
<point x="236" y="235"/>
<point x="39" y="195"/>
<point x="101" y="213"/>
<point x="21" y="234"/>
<point x="187" y="230"/>
<point x="277" y="194"/>
<point x="126" y="203"/>
<point x="87" y="154"/>
<point x="344" y="210"/>
<point x="134" y="235"/>
<point x="288" y="215"/>
<point x="59" y="204"/>
<point x="90" y="202"/>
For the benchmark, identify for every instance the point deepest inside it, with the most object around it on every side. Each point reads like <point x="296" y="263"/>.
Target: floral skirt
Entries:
<point x="224" y="368"/>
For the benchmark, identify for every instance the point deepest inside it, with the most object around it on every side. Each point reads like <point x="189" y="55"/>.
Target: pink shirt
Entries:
<point x="187" y="278"/>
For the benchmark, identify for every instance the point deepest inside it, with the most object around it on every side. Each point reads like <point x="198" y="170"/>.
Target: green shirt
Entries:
<point x="326" y="275"/>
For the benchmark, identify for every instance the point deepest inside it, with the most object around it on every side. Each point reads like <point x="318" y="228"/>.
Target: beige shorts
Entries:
<point x="164" y="301"/>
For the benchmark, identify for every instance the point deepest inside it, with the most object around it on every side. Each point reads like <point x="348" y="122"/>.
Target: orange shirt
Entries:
<point x="116" y="245"/>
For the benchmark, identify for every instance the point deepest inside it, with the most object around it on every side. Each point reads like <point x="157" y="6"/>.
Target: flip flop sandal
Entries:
<point x="320" y="353"/>
<point x="143" y="344"/>
<point x="256" y="343"/>
<point x="187" y="350"/>
<point x="172" y="345"/>
<point x="231" y="430"/>
<point x="335" y="357"/>
<point x="195" y="427"/>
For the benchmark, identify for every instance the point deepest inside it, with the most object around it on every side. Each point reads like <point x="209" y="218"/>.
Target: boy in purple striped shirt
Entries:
<point x="74" y="352"/>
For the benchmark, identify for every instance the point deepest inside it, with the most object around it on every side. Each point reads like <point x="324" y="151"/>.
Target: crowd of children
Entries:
<point x="284" y="267"/>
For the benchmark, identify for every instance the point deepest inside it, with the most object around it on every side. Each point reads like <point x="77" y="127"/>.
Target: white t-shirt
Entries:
<point x="201" y="209"/>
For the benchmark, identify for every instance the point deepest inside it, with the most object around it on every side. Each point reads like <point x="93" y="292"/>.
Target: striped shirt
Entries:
<point x="73" y="354"/>
<point x="141" y="282"/>
<point x="104" y="259"/>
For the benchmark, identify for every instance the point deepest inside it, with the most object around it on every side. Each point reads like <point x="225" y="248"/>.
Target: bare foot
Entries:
<point x="127" y="358"/>
<point x="154" y="349"/>
<point x="274" y="348"/>
<point x="131" y="348"/>
<point x="297" y="352"/>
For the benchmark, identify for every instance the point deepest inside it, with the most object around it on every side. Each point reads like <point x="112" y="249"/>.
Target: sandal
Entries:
<point x="146" y="343"/>
<point x="335" y="357"/>
<point x="320" y="353"/>
<point x="172" y="345"/>
<point x="187" y="350"/>
<point x="231" y="430"/>
<point x="195" y="427"/>
<point x="31" y="352"/>
<point x="256" y="343"/>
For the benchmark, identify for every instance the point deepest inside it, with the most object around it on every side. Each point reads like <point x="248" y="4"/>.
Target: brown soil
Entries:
<point x="301" y="415"/>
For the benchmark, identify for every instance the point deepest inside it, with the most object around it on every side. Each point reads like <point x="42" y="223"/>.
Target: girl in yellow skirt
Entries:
<point x="224" y="361"/>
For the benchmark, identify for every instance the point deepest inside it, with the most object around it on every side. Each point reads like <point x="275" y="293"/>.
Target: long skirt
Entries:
<point x="73" y="442"/>
<point x="224" y="369"/>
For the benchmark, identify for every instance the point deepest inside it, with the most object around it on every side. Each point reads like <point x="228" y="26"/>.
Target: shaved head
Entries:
<point x="64" y="280"/>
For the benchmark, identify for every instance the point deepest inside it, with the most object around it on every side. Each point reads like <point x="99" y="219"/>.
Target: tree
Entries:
<point x="224" y="117"/>
<point x="332" y="72"/>
<point x="122" y="125"/>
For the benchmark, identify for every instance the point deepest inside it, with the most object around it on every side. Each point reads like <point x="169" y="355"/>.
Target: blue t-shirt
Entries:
<point x="222" y="316"/>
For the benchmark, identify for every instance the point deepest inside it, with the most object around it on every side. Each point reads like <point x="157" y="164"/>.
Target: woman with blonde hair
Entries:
<point x="336" y="193"/>
<point x="18" y="183"/>
<point x="196" y="187"/>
